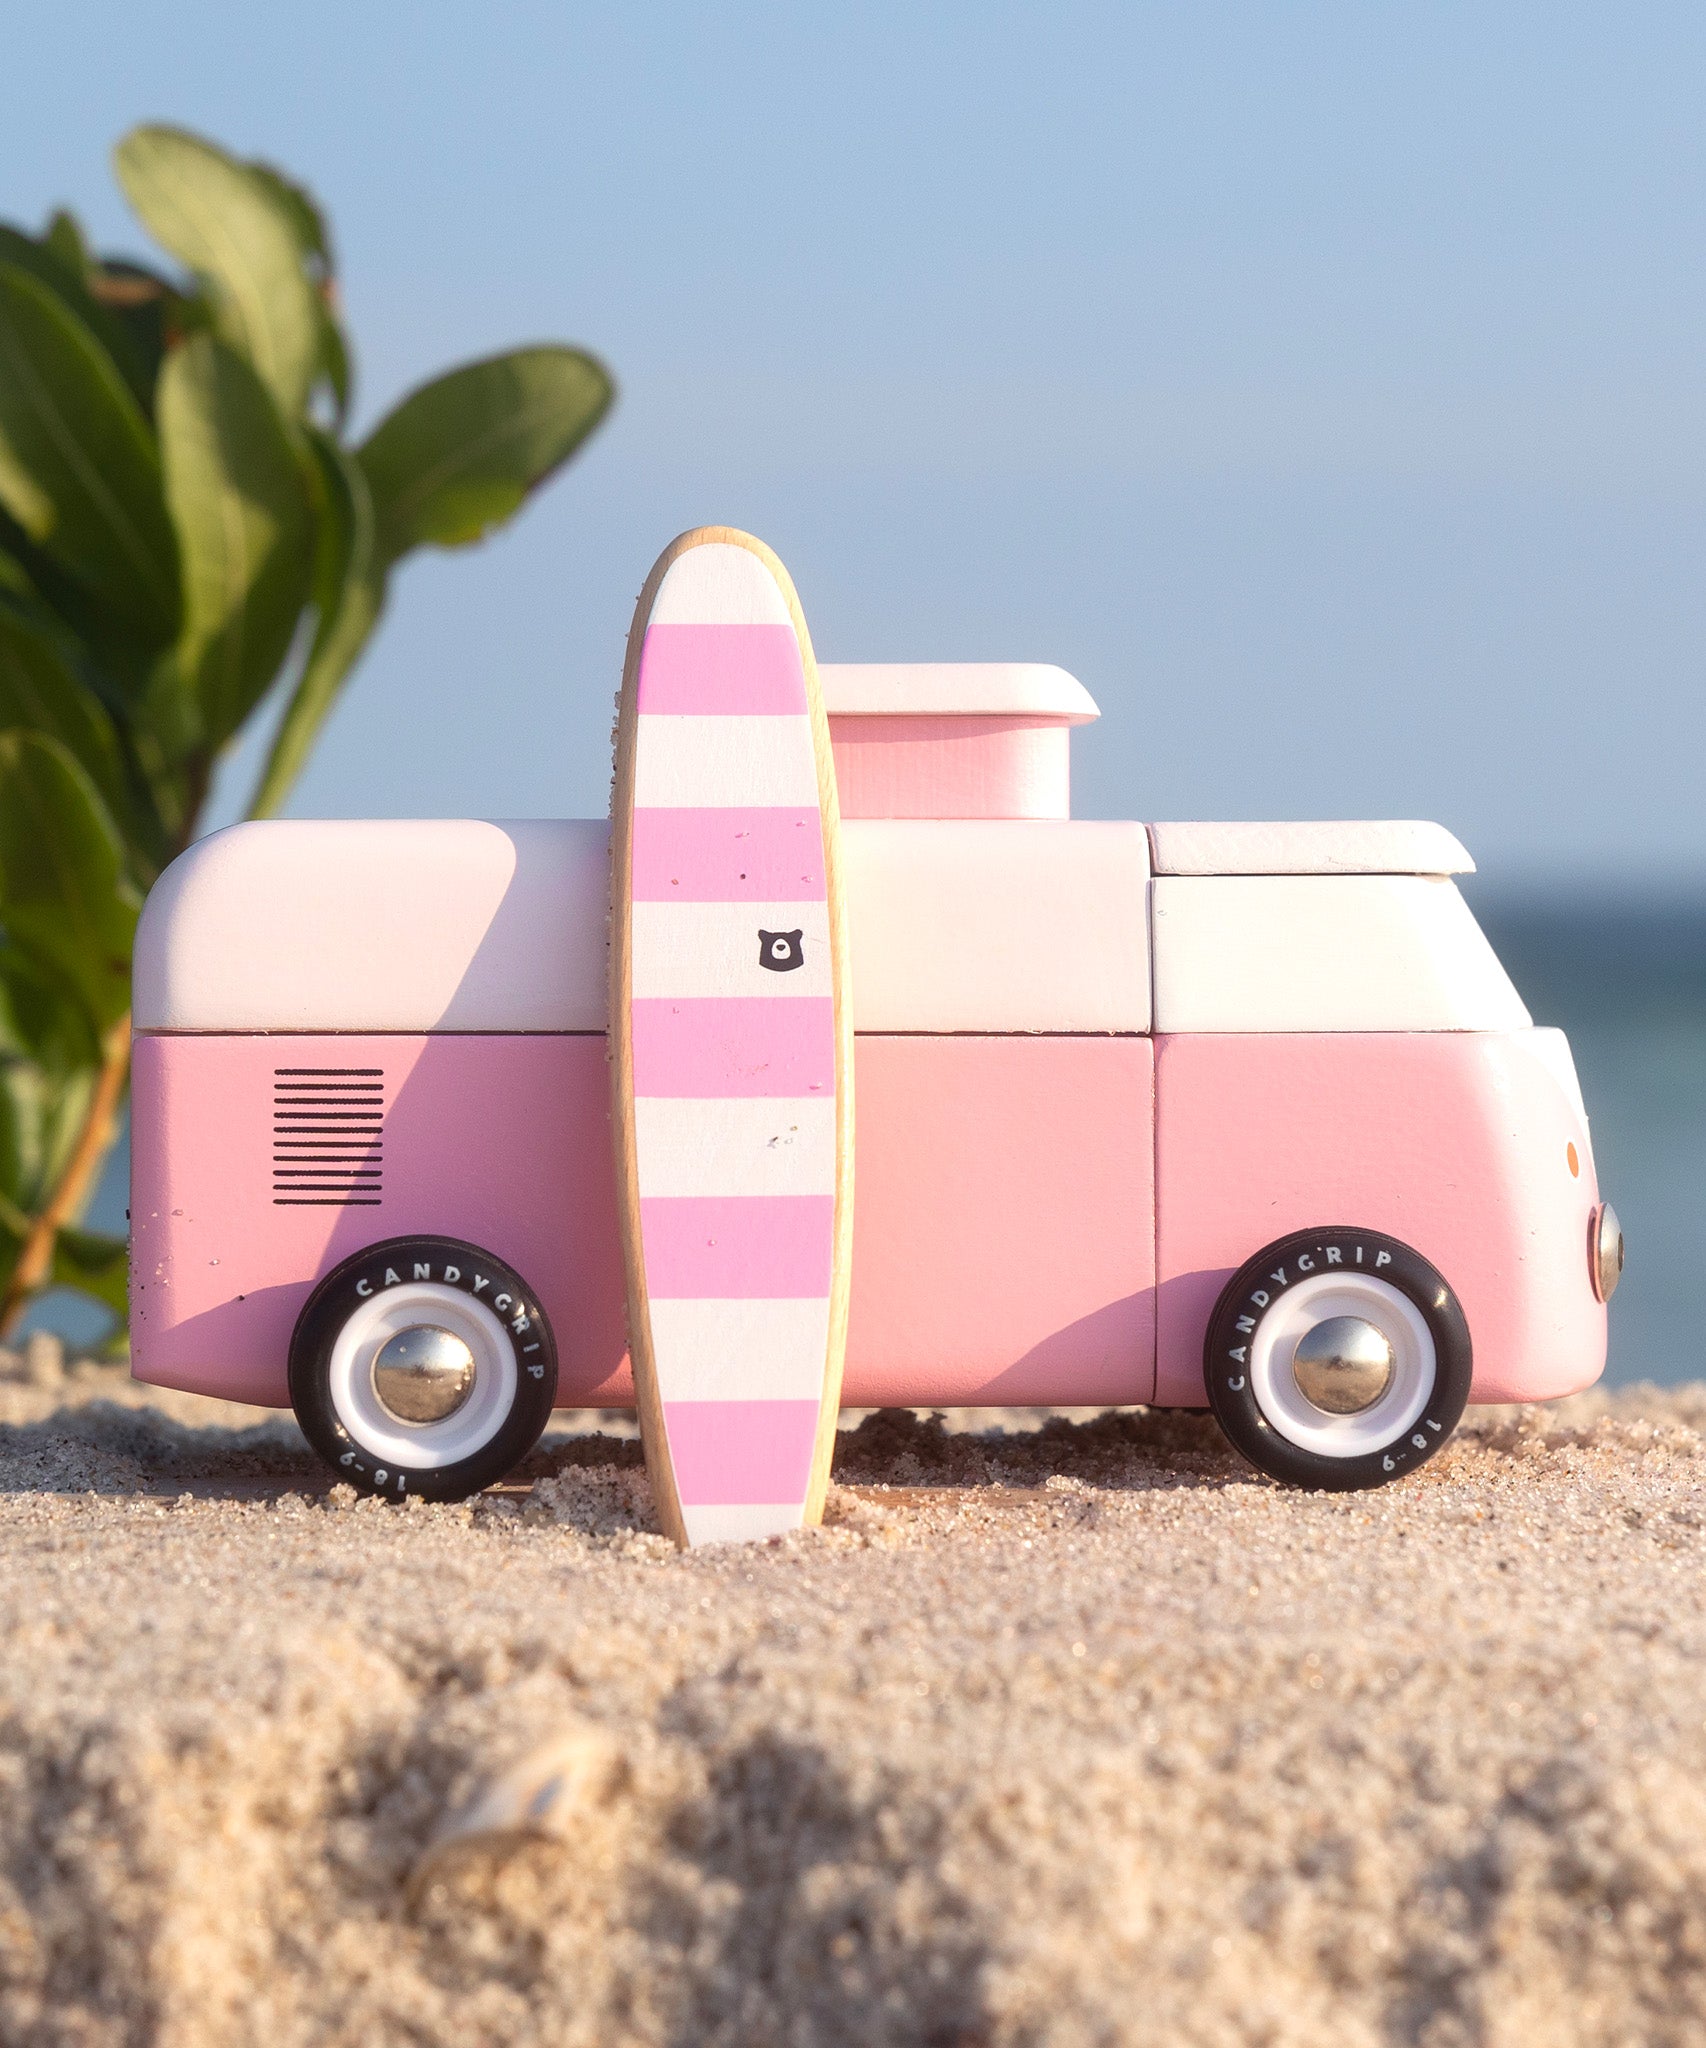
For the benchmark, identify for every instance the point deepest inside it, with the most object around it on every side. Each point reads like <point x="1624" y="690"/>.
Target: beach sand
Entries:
<point x="1077" y="1734"/>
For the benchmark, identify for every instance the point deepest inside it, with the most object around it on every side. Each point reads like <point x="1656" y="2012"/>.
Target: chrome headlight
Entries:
<point x="1605" y="1251"/>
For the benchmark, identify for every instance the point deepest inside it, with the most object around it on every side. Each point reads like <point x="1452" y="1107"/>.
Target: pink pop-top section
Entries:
<point x="750" y="671"/>
<point x="952" y="767"/>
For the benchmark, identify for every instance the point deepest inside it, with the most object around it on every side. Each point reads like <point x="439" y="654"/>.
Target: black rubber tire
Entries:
<point x="449" y="1262"/>
<point x="1254" y="1291"/>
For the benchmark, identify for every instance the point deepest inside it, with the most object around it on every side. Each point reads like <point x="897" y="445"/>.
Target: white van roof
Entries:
<point x="455" y="925"/>
<point x="966" y="925"/>
<point x="380" y="924"/>
<point x="1404" y="846"/>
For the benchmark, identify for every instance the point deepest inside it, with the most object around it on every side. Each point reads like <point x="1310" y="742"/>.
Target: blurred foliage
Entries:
<point x="185" y="529"/>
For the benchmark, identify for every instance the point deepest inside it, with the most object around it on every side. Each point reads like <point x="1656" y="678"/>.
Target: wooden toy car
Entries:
<point x="1242" y="1114"/>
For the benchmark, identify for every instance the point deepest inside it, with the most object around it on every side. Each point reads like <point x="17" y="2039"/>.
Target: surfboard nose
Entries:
<point x="717" y="581"/>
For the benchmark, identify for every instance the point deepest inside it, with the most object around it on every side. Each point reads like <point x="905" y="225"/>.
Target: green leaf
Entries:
<point x="15" y="579"/>
<point x="64" y="236"/>
<point x="306" y="217"/>
<point x="33" y="588"/>
<point x="314" y="244"/>
<point x="349" y="594"/>
<point x="230" y="225"/>
<point x="79" y="471"/>
<point x="240" y="503"/>
<point x="64" y="896"/>
<point x="459" y="455"/>
<point x="14" y="1223"/>
<point x="94" y="1264"/>
<point x="41" y="1114"/>
<point x="23" y="1099"/>
<point x="41" y="1016"/>
<point x="336" y="364"/>
<point x="149" y="311"/>
<point x="39" y="691"/>
<point x="49" y="1063"/>
<point x="20" y="568"/>
<point x="61" y="262"/>
<point x="45" y="263"/>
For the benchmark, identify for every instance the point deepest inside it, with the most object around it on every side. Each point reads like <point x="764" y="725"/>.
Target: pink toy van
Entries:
<point x="1239" y="1115"/>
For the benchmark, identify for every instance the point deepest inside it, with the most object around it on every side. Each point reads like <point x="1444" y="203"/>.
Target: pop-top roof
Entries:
<point x="954" y="689"/>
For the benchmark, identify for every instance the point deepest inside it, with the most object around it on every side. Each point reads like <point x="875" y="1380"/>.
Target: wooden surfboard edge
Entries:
<point x="642" y="1355"/>
<point x="642" y="1359"/>
<point x="841" y="977"/>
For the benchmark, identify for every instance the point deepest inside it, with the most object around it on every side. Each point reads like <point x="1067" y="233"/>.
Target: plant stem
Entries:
<point x="35" y="1261"/>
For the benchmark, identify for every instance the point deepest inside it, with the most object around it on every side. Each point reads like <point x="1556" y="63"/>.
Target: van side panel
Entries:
<point x="501" y="1140"/>
<point x="1459" y="1143"/>
<point x="1003" y="1222"/>
<point x="1003" y="1217"/>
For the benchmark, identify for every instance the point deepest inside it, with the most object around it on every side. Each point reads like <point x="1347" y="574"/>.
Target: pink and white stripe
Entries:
<point x="734" y="1068"/>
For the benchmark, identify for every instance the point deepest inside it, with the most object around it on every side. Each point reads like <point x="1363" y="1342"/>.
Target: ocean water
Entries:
<point x="1626" y="978"/>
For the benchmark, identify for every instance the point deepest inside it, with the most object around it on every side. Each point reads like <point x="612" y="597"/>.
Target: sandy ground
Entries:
<point x="1075" y="1734"/>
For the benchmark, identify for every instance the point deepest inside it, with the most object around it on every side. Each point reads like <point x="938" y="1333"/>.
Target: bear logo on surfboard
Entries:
<point x="781" y="952"/>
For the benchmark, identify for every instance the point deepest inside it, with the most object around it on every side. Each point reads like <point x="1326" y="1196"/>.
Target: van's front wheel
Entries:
<point x="1337" y="1359"/>
<point x="422" y="1366"/>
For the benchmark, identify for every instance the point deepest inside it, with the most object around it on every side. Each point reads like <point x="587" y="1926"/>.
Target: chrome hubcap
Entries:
<point x="423" y="1374"/>
<point x="1343" y="1365"/>
<point x="1607" y="1252"/>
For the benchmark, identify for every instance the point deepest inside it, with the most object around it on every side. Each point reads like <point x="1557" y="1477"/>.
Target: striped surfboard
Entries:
<point x="731" y="1027"/>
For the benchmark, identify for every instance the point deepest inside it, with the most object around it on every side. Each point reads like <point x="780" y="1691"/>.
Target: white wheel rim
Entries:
<point x="418" y="1446"/>
<point x="1273" y="1345"/>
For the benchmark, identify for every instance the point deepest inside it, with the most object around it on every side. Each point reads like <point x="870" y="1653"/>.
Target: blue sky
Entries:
<point x="1322" y="384"/>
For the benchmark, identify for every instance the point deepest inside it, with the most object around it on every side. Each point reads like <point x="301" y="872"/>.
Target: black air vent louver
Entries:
<point x="326" y="1137"/>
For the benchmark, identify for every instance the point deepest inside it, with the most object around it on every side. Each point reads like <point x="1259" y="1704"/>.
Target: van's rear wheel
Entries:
<point x="422" y="1366"/>
<point x="1337" y="1359"/>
